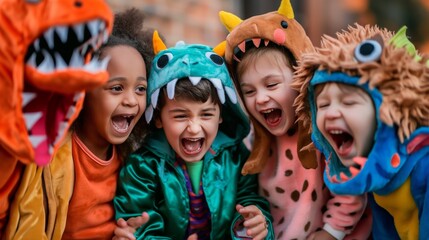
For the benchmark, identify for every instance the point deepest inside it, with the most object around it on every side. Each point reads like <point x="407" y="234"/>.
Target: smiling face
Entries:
<point x="265" y="84"/>
<point x="346" y="118"/>
<point x="190" y="126"/>
<point x="110" y="112"/>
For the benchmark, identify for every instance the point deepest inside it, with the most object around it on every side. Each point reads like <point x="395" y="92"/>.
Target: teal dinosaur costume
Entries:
<point x="396" y="170"/>
<point x="152" y="179"/>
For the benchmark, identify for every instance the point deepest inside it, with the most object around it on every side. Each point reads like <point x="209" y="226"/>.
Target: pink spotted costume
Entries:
<point x="291" y="180"/>
<point x="301" y="203"/>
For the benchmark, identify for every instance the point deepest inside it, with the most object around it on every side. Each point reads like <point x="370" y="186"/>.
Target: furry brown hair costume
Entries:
<point x="388" y="68"/>
<point x="403" y="82"/>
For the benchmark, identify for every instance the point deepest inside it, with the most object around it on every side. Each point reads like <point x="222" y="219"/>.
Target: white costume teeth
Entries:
<point x="170" y="88"/>
<point x="231" y="94"/>
<point x="195" y="80"/>
<point x="154" y="98"/>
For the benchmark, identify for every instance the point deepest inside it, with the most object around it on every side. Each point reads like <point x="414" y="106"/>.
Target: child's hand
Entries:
<point x="322" y="234"/>
<point x="125" y="229"/>
<point x="193" y="237"/>
<point x="254" y="221"/>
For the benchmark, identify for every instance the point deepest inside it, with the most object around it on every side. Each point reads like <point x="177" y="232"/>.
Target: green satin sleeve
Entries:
<point x="247" y="194"/>
<point x="138" y="190"/>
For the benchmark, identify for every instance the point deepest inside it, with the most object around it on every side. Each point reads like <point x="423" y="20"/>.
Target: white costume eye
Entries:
<point x="368" y="50"/>
<point x="163" y="60"/>
<point x="215" y="58"/>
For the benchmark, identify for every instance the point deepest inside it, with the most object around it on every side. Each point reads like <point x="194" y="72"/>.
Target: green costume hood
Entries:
<point x="196" y="62"/>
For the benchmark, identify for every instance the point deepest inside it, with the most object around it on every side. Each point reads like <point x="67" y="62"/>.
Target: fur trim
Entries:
<point x="402" y="80"/>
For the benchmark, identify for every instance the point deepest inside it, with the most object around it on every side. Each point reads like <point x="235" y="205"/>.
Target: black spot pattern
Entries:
<point x="295" y="195"/>
<point x="337" y="204"/>
<point x="281" y="221"/>
<point x="307" y="226"/>
<point x="304" y="186"/>
<point x="289" y="154"/>
<point x="352" y="213"/>
<point x="288" y="173"/>
<point x="280" y="190"/>
<point x="314" y="195"/>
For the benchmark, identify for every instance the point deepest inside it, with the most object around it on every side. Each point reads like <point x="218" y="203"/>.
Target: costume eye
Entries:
<point x="33" y="1"/>
<point x="284" y="24"/>
<point x="163" y="60"/>
<point x="215" y="58"/>
<point x="367" y="51"/>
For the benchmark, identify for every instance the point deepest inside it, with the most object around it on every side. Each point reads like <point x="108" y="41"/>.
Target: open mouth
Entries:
<point x="62" y="47"/>
<point x="343" y="141"/>
<point x="272" y="116"/>
<point x="192" y="145"/>
<point x="343" y="146"/>
<point x="122" y="123"/>
<point x="248" y="44"/>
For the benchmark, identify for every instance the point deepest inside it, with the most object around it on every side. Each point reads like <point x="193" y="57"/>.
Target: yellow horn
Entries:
<point x="158" y="44"/>
<point x="229" y="20"/>
<point x="220" y="48"/>
<point x="286" y="9"/>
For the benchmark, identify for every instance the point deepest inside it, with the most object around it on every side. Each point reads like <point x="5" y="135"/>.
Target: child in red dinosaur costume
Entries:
<point x="262" y="52"/>
<point x="79" y="184"/>
<point x="45" y="47"/>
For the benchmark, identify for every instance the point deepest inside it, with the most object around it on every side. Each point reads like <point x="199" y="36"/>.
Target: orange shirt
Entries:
<point x="91" y="214"/>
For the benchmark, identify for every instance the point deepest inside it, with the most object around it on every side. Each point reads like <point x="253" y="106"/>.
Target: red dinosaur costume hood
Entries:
<point x="45" y="65"/>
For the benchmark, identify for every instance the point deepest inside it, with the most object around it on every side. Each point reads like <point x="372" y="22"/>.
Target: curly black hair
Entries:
<point x="128" y="31"/>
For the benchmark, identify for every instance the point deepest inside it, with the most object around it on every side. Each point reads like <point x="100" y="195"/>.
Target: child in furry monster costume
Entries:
<point x="186" y="176"/>
<point x="78" y="186"/>
<point x="39" y="96"/>
<point x="262" y="52"/>
<point x="366" y="96"/>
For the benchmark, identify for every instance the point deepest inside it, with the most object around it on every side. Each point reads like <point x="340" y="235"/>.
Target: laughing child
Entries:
<point x="365" y="94"/>
<point x="186" y="177"/>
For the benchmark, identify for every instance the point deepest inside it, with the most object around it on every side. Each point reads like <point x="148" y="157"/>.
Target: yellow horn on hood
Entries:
<point x="286" y="9"/>
<point x="229" y="20"/>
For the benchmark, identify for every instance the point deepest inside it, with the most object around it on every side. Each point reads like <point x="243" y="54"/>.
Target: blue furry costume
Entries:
<point x="388" y="68"/>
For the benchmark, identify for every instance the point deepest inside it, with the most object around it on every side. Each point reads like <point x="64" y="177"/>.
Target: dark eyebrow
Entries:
<point x="177" y="110"/>
<point x="121" y="79"/>
<point x="209" y="109"/>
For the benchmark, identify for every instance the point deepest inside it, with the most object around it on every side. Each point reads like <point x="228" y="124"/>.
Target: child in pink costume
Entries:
<point x="262" y="52"/>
